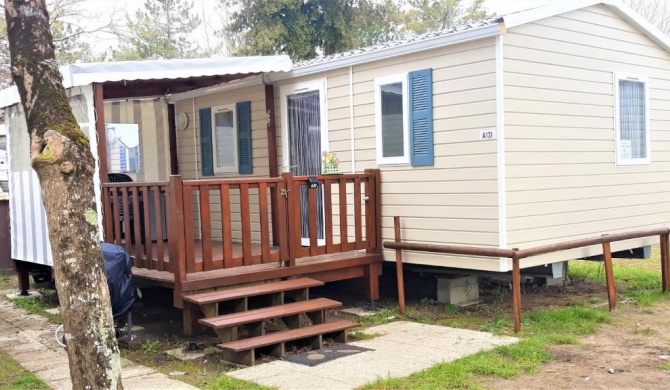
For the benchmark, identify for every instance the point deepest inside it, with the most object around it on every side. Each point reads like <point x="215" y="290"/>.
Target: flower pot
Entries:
<point x="331" y="171"/>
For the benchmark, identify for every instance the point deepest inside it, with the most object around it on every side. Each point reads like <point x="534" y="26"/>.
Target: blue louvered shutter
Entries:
<point x="206" y="153"/>
<point x="245" y="158"/>
<point x="421" y="117"/>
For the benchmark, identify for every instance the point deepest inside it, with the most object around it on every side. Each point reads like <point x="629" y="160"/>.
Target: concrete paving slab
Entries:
<point x="53" y="310"/>
<point x="155" y="381"/>
<point x="55" y="374"/>
<point x="179" y="353"/>
<point x="30" y="340"/>
<point x="358" y="311"/>
<point x="401" y="349"/>
<point x="17" y="294"/>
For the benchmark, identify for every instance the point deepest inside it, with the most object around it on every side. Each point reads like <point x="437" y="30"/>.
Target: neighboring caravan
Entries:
<point x="515" y="131"/>
<point x="4" y="164"/>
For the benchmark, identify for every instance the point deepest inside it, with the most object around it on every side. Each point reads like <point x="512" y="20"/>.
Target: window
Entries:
<point x="632" y="119"/>
<point x="404" y="118"/>
<point x="123" y="147"/>
<point x="224" y="139"/>
<point x="391" y="117"/>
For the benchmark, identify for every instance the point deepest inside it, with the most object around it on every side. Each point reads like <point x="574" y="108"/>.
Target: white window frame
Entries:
<point x="379" y="82"/>
<point x="621" y="161"/>
<point x="215" y="110"/>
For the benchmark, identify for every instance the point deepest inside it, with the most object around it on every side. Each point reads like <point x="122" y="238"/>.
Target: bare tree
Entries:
<point x="655" y="11"/>
<point x="60" y="154"/>
<point x="71" y="26"/>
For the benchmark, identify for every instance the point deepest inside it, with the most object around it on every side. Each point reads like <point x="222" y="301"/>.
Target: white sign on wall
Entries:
<point x="485" y="135"/>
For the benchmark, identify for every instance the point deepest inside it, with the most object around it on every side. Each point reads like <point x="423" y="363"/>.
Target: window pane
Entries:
<point x="224" y="134"/>
<point x="392" y="120"/>
<point x="633" y="137"/>
<point x="123" y="148"/>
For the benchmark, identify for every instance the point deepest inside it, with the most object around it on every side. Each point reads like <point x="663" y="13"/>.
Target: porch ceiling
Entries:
<point x="156" y="87"/>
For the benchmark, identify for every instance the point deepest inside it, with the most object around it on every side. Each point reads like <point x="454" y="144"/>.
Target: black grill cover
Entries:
<point x="118" y="267"/>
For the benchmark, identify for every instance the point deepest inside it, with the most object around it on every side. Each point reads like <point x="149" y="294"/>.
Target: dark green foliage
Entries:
<point x="304" y="29"/>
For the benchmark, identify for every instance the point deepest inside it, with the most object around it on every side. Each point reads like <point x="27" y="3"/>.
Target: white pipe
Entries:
<point x="351" y="119"/>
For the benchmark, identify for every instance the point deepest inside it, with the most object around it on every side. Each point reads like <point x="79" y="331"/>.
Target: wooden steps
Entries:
<point x="242" y="351"/>
<point x="251" y="291"/>
<point x="285" y="300"/>
<point x="269" y="313"/>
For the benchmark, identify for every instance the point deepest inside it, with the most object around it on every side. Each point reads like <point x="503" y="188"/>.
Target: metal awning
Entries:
<point x="157" y="77"/>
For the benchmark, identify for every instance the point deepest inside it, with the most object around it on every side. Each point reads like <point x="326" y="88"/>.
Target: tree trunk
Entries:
<point x="61" y="156"/>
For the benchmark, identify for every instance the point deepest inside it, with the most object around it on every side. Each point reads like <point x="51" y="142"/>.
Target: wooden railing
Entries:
<point x="517" y="255"/>
<point x="224" y="223"/>
<point x="349" y="217"/>
<point x="135" y="216"/>
<point x="243" y="202"/>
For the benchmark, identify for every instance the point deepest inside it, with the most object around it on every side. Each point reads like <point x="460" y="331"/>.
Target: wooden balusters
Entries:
<point x="344" y="234"/>
<point x="159" y="205"/>
<point x="189" y="236"/>
<point x="227" y="229"/>
<point x="245" y="217"/>
<point x="206" y="229"/>
<point x="125" y="209"/>
<point x="265" y="221"/>
<point x="293" y="226"/>
<point x="328" y="215"/>
<point x="148" y="259"/>
<point x="312" y="224"/>
<point x="358" y="214"/>
<point x="108" y="218"/>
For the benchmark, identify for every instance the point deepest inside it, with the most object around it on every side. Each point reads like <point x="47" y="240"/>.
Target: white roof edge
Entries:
<point x="532" y="15"/>
<point x="228" y="86"/>
<point x="409" y="48"/>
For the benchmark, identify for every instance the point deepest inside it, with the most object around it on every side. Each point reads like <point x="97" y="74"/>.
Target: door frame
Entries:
<point x="320" y="85"/>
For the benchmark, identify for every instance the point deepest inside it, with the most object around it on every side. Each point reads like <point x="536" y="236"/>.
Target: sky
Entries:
<point x="498" y="6"/>
<point x="204" y="9"/>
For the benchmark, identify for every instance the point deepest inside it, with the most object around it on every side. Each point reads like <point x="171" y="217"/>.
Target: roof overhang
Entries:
<point x="617" y="6"/>
<point x="130" y="79"/>
<point x="395" y="51"/>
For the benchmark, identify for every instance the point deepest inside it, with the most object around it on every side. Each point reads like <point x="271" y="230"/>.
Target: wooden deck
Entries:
<point x="260" y="225"/>
<point x="337" y="266"/>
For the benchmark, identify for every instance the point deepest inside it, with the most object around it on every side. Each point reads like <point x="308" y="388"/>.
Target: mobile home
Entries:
<point x="514" y="131"/>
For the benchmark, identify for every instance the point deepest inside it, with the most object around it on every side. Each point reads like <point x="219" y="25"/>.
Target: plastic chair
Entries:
<point x="119" y="178"/>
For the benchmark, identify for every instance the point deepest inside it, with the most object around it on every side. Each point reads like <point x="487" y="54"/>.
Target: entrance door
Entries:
<point x="303" y="109"/>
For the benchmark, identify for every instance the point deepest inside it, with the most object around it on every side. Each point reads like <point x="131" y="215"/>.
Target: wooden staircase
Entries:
<point x="252" y="307"/>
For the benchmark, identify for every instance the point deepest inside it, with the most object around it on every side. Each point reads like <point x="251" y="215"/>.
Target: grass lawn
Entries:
<point x="637" y="281"/>
<point x="15" y="377"/>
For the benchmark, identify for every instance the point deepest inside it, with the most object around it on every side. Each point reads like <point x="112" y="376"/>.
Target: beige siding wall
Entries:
<point x="455" y="201"/>
<point x="188" y="151"/>
<point x="562" y="181"/>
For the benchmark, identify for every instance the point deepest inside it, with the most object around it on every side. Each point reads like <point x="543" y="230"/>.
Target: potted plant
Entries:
<point x="330" y="163"/>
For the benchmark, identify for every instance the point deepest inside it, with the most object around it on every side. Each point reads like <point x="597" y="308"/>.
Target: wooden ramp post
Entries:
<point x="398" y="267"/>
<point x="516" y="291"/>
<point x="609" y="275"/>
<point x="665" y="262"/>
